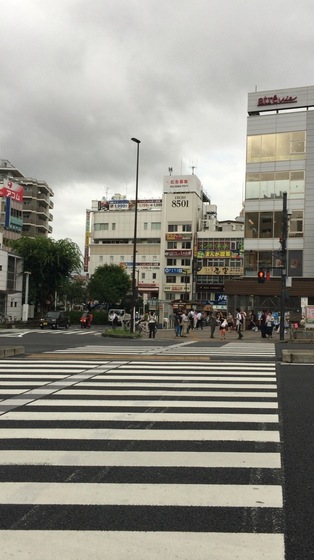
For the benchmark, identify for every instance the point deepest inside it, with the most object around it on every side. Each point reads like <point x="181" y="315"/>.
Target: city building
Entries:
<point x="25" y="205"/>
<point x="279" y="159"/>
<point x="36" y="205"/>
<point x="183" y="254"/>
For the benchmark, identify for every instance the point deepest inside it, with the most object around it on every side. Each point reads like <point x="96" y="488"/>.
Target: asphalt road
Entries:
<point x="296" y="411"/>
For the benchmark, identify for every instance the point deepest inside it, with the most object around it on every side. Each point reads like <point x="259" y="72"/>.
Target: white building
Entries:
<point x="183" y="252"/>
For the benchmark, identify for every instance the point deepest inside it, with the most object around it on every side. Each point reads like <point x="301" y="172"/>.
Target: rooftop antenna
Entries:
<point x="170" y="170"/>
<point x="193" y="166"/>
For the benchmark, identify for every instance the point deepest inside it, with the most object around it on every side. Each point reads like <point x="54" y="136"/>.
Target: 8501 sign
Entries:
<point x="180" y="204"/>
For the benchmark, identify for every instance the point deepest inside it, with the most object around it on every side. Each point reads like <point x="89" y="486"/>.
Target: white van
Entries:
<point x="122" y="316"/>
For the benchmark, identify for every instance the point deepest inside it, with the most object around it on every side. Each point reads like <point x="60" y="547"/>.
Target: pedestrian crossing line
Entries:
<point x="108" y="403"/>
<point x="160" y="416"/>
<point x="141" y="545"/>
<point x="138" y="435"/>
<point x="176" y="459"/>
<point x="125" y="454"/>
<point x="197" y="495"/>
<point x="112" y="350"/>
<point x="130" y="392"/>
<point x="186" y="349"/>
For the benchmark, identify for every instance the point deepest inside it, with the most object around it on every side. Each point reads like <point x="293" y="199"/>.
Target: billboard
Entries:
<point x="12" y="190"/>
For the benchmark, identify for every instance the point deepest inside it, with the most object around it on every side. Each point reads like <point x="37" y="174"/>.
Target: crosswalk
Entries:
<point x="139" y="460"/>
<point x="14" y="333"/>
<point x="184" y="349"/>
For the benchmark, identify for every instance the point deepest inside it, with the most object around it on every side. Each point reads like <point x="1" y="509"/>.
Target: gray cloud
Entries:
<point x="79" y="79"/>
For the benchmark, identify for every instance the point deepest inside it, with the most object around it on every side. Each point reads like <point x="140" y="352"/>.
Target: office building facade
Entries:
<point x="279" y="159"/>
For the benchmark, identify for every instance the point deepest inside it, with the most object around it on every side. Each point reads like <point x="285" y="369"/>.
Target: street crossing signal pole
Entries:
<point x="284" y="234"/>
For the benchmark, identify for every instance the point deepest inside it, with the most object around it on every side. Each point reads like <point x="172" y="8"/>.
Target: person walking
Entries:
<point x="262" y="324"/>
<point x="222" y="328"/>
<point x="269" y="324"/>
<point x="177" y="320"/>
<point x="212" y="324"/>
<point x="152" y="325"/>
<point x="239" y="323"/>
<point x="230" y="322"/>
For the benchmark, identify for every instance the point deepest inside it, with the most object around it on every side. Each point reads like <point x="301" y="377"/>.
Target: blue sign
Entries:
<point x="221" y="298"/>
<point x="174" y="270"/>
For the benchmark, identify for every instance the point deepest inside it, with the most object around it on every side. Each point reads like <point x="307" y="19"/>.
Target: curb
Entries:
<point x="9" y="351"/>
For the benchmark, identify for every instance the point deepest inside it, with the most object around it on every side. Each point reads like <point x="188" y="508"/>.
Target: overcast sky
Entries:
<point x="80" y="78"/>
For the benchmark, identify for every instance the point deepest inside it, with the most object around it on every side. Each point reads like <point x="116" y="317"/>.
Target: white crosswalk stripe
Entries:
<point x="140" y="460"/>
<point x="185" y="349"/>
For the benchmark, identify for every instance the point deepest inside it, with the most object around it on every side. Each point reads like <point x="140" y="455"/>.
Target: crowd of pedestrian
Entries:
<point x="184" y="321"/>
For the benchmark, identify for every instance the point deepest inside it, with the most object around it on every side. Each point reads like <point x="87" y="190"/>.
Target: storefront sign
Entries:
<point x="221" y="271"/>
<point x="182" y="253"/>
<point x="176" y="288"/>
<point x="178" y="236"/>
<point x="276" y="100"/>
<point x="12" y="190"/>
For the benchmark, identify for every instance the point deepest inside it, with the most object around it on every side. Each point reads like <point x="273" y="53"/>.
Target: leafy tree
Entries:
<point x="74" y="291"/>
<point x="109" y="284"/>
<point x="50" y="262"/>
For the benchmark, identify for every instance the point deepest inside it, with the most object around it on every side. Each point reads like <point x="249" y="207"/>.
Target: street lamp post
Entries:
<point x="26" y="306"/>
<point x="132" y="326"/>
<point x="284" y="235"/>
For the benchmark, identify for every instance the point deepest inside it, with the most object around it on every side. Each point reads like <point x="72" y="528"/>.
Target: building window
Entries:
<point x="154" y="275"/>
<point x="186" y="244"/>
<point x="171" y="262"/>
<point x="154" y="258"/>
<point x="284" y="146"/>
<point x="145" y="225"/>
<point x="171" y="279"/>
<point x="187" y="227"/>
<point x="101" y="226"/>
<point x="111" y="258"/>
<point x="172" y="227"/>
<point x="172" y="245"/>
<point x="296" y="224"/>
<point x="142" y="275"/>
<point x="122" y="258"/>
<point x="274" y="184"/>
<point x="113" y="226"/>
<point x="185" y="262"/>
<point x="156" y="225"/>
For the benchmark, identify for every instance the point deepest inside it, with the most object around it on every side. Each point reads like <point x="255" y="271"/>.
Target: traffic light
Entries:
<point x="261" y="276"/>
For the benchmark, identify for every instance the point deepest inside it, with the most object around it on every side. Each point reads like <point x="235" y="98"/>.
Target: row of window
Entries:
<point x="268" y="260"/>
<point x="182" y="245"/>
<point x="273" y="185"/>
<point x="104" y="226"/>
<point x="269" y="224"/>
<point x="175" y="228"/>
<point x="283" y="146"/>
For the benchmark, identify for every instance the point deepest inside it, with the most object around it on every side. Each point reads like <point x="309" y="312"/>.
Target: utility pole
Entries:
<point x="284" y="235"/>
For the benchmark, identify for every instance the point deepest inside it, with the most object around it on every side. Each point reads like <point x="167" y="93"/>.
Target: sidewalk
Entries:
<point x="198" y="335"/>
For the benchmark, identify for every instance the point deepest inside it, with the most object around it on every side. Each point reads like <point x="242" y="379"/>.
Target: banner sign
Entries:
<point x="12" y="190"/>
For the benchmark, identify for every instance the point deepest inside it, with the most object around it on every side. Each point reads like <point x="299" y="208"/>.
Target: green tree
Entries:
<point x="50" y="262"/>
<point x="109" y="284"/>
<point x="74" y="291"/>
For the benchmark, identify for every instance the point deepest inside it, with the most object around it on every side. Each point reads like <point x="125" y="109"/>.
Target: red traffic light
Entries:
<point x="261" y="276"/>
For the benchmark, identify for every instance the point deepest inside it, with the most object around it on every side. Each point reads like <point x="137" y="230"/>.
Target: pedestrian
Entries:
<point x="191" y="320"/>
<point x="269" y="324"/>
<point x="262" y="324"/>
<point x="177" y="320"/>
<point x="185" y="323"/>
<point x="239" y="323"/>
<point x="222" y="328"/>
<point x="212" y="324"/>
<point x="230" y="322"/>
<point x="152" y="325"/>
